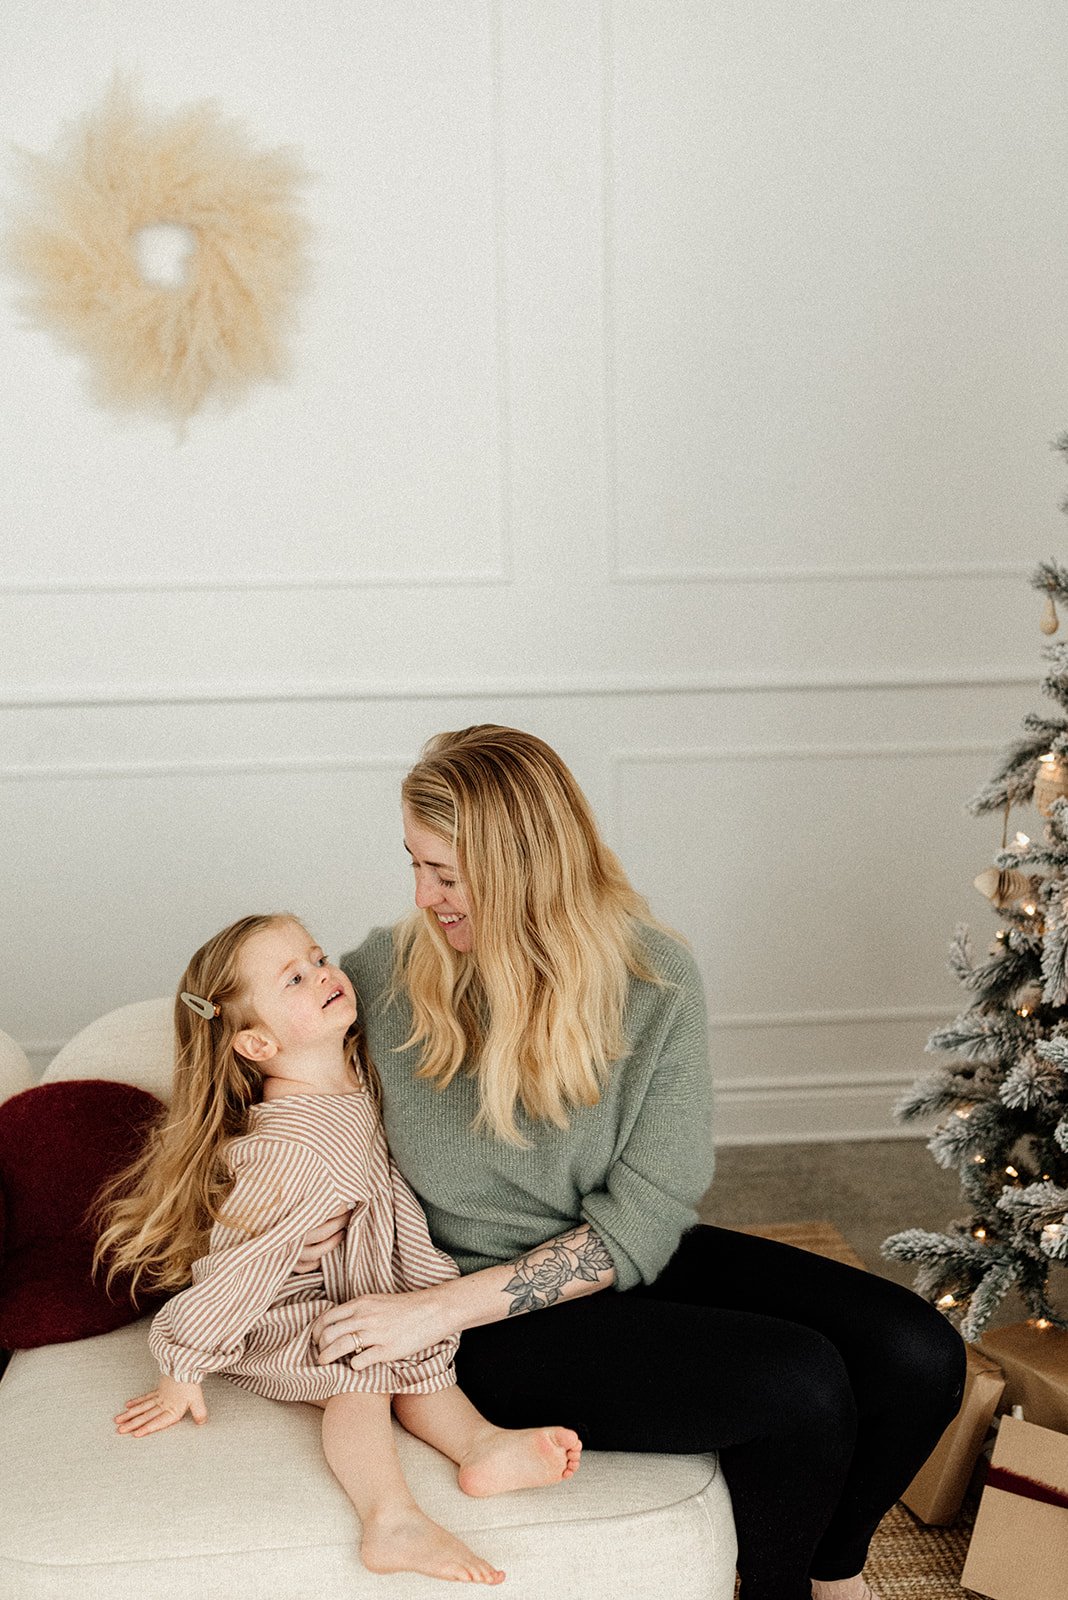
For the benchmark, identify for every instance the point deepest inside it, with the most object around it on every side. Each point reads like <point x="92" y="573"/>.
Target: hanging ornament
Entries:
<point x="1003" y="888"/>
<point x="1051" y="783"/>
<point x="1050" y="621"/>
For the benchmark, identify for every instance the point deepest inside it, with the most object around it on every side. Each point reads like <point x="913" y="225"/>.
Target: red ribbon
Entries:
<point x="1029" y="1488"/>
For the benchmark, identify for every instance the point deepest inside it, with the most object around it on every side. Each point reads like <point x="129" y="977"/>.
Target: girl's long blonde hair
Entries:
<point x="536" y="1008"/>
<point x="156" y="1215"/>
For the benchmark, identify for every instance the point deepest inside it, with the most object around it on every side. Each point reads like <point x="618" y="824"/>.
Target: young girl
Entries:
<point x="273" y="1127"/>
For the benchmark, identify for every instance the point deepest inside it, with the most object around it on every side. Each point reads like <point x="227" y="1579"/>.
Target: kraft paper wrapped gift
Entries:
<point x="1019" y="1549"/>
<point x="1035" y="1363"/>
<point x="936" y="1492"/>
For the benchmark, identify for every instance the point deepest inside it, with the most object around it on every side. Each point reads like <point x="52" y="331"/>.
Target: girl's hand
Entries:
<point x="380" y="1327"/>
<point x="321" y="1239"/>
<point x="150" y="1413"/>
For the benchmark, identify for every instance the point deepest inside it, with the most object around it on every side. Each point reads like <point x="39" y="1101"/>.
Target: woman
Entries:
<point x="542" y="1048"/>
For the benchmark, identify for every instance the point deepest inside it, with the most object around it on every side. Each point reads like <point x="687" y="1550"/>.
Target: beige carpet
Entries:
<point x="908" y="1560"/>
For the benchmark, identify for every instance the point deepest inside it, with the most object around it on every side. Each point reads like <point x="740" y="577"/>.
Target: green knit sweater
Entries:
<point x="633" y="1166"/>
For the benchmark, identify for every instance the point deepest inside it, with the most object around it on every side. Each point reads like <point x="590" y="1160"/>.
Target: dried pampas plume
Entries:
<point x="74" y="246"/>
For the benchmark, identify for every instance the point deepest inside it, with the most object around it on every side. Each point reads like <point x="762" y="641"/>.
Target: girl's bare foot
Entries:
<point x="842" y="1589"/>
<point x="519" y="1458"/>
<point x="402" y="1539"/>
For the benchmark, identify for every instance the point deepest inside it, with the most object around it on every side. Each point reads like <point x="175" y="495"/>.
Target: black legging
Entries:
<point x="823" y="1389"/>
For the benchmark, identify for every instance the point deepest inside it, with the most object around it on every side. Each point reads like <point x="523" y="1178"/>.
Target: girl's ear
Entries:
<point x="255" y="1046"/>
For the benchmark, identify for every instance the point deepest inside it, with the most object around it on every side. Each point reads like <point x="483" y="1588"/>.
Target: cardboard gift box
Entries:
<point x="936" y="1492"/>
<point x="1019" y="1549"/>
<point x="1035" y="1363"/>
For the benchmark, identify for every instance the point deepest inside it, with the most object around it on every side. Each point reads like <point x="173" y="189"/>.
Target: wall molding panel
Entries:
<point x="459" y="304"/>
<point x="848" y="1062"/>
<point x="267" y="766"/>
<point x="723" y="1023"/>
<point x="502" y="576"/>
<point x="730" y="304"/>
<point x="600" y="686"/>
<point x="802" y="575"/>
<point x="719" y="755"/>
<point x="189" y="583"/>
<point x="642" y="396"/>
<point x="811" y="1110"/>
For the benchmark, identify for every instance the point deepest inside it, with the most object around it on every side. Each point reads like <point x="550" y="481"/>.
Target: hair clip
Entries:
<point x="203" y="1008"/>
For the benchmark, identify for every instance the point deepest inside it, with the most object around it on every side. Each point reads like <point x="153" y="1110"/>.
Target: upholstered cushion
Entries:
<point x="15" y="1073"/>
<point x="59" y="1144"/>
<point x="130" y="1045"/>
<point x="245" y="1506"/>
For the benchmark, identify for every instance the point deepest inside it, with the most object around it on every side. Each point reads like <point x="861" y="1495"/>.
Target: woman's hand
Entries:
<point x="321" y="1239"/>
<point x="380" y="1327"/>
<point x="166" y="1405"/>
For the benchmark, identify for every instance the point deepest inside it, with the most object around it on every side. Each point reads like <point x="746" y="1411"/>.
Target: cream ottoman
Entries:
<point x="245" y="1508"/>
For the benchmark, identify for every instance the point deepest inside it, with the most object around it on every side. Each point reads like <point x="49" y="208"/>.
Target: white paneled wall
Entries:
<point x="675" y="380"/>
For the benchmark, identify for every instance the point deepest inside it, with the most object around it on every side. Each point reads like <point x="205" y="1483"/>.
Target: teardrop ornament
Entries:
<point x="1050" y="621"/>
<point x="1004" y="887"/>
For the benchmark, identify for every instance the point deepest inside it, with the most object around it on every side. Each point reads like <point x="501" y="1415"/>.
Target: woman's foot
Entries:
<point x="519" y="1458"/>
<point x="842" y="1589"/>
<point x="402" y="1539"/>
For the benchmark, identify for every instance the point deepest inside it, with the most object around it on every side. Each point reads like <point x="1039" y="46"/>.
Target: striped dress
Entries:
<point x="246" y="1314"/>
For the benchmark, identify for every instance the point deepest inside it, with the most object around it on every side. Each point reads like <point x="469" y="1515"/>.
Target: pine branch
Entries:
<point x="937" y="1092"/>
<point x="1035" y="1205"/>
<point x="1057" y="823"/>
<point x="981" y="1135"/>
<point x="971" y="1274"/>
<point x="981" y="1183"/>
<point x="1025" y="940"/>
<point x="1033" y="1084"/>
<point x="1013" y="779"/>
<point x="1043" y="727"/>
<point x="921" y="1245"/>
<point x="1055" y="681"/>
<point x="984" y="1038"/>
<point x="1003" y="974"/>
<point x="1055" y="1051"/>
<point x="961" y="960"/>
<point x="1033" y="1286"/>
<point x="1039" y="855"/>
<point x="1055" y="952"/>
<point x="988" y="1295"/>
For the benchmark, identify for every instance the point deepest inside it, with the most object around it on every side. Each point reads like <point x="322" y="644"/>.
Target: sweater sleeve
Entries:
<point x="665" y="1158"/>
<point x="281" y="1190"/>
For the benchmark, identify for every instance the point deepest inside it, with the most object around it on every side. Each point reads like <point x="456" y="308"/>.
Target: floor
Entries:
<point x="868" y="1190"/>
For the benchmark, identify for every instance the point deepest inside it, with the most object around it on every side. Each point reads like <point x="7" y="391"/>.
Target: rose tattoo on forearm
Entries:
<point x="542" y="1274"/>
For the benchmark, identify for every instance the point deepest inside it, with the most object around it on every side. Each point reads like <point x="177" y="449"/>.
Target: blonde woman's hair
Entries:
<point x="536" y="1008"/>
<point x="156" y="1215"/>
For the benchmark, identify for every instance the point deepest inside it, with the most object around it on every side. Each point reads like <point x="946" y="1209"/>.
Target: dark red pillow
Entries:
<point x="59" y="1144"/>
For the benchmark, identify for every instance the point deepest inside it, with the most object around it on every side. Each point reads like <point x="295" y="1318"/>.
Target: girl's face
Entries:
<point x="294" y="993"/>
<point x="439" y="889"/>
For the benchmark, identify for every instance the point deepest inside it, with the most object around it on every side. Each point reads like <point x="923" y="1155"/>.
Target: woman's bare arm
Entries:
<point x="388" y="1327"/>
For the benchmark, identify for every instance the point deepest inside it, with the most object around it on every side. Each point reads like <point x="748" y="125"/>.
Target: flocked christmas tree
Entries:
<point x="1002" y="1097"/>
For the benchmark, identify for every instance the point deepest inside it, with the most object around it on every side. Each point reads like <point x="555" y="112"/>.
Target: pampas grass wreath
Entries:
<point x="74" y="246"/>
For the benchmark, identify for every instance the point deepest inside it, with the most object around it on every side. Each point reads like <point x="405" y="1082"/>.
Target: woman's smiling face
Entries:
<point x="439" y="888"/>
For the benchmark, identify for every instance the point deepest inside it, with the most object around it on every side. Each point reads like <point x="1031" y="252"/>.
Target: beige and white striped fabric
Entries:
<point x="247" y="1314"/>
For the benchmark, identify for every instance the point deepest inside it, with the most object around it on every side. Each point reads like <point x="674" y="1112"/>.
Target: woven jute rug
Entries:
<point x="908" y="1560"/>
